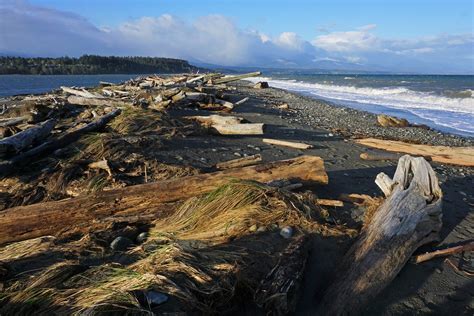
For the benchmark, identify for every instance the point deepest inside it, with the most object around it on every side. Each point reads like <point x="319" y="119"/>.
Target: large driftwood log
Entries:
<point x="463" y="156"/>
<point x="53" y="144"/>
<point x="216" y="119"/>
<point x="82" y="93"/>
<point x="24" y="139"/>
<point x="12" y="121"/>
<point x="409" y="218"/>
<point x="77" y="100"/>
<point x="235" y="78"/>
<point x="239" y="129"/>
<point x="48" y="218"/>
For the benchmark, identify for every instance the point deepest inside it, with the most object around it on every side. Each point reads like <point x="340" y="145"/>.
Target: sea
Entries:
<point x="443" y="102"/>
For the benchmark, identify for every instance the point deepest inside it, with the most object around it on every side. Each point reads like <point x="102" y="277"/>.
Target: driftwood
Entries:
<point x="82" y="93"/>
<point x="235" y="78"/>
<point x="391" y="121"/>
<point x="409" y="218"/>
<point x="444" y="252"/>
<point x="279" y="291"/>
<point x="286" y="143"/>
<point x="355" y="198"/>
<point x="24" y="222"/>
<point x="239" y="129"/>
<point x="333" y="203"/>
<point x="96" y="102"/>
<point x="216" y="119"/>
<point x="240" y="162"/>
<point x="56" y="143"/>
<point x="463" y="156"/>
<point x="12" y="121"/>
<point x="24" y="139"/>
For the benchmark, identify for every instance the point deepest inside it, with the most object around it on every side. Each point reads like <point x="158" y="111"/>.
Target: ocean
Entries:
<point x="443" y="102"/>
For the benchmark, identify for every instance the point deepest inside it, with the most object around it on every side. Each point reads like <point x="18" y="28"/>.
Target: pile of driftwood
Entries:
<point x="158" y="238"/>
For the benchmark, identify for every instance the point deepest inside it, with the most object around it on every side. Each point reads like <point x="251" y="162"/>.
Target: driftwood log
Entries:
<point x="285" y="143"/>
<point x="240" y="162"/>
<point x="238" y="129"/>
<point x="24" y="222"/>
<point x="462" y="156"/>
<point x="82" y="93"/>
<point x="409" y="218"/>
<point x="77" y="100"/>
<point x="235" y="78"/>
<point x="53" y="144"/>
<point x="12" y="121"/>
<point x="26" y="138"/>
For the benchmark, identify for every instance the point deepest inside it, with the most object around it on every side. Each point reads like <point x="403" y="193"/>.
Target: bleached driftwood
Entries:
<point x="12" y="121"/>
<point x="216" y="119"/>
<point x="96" y="101"/>
<point x="53" y="144"/>
<point x="82" y="93"/>
<point x="240" y="162"/>
<point x="287" y="143"/>
<point x="239" y="129"/>
<point x="409" y="218"/>
<point x="463" y="156"/>
<point x="24" y="139"/>
<point x="235" y="78"/>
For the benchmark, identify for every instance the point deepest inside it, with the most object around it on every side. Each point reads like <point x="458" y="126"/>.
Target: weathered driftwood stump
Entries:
<point x="409" y="217"/>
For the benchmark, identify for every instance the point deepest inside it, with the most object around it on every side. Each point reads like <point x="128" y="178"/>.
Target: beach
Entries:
<point x="430" y="287"/>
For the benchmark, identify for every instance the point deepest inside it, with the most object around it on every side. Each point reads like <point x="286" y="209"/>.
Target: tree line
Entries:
<point x="92" y="64"/>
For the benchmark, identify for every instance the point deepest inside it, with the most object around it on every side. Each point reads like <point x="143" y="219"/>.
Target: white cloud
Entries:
<point x="38" y="31"/>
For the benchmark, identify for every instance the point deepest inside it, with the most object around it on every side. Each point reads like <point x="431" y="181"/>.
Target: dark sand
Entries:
<point x="433" y="287"/>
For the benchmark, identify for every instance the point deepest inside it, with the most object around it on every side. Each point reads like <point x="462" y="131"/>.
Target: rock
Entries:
<point x="261" y="85"/>
<point x="262" y="229"/>
<point x="391" y="121"/>
<point x="286" y="232"/>
<point x="253" y="228"/>
<point x="284" y="106"/>
<point x="155" y="298"/>
<point x="121" y="243"/>
<point x="142" y="237"/>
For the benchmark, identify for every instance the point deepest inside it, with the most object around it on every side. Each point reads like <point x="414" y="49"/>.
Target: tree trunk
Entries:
<point x="82" y="93"/>
<point x="409" y="218"/>
<point x="235" y="78"/>
<point x="48" y="218"/>
<point x="24" y="139"/>
<point x="239" y="129"/>
<point x="96" y="102"/>
<point x="64" y="140"/>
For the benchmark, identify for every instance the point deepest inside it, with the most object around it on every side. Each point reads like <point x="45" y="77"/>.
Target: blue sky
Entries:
<point x="404" y="36"/>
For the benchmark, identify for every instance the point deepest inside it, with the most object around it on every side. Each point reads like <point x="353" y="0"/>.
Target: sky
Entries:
<point x="421" y="36"/>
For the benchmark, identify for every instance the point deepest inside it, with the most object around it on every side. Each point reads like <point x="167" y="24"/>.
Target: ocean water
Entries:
<point x="32" y="84"/>
<point x="445" y="103"/>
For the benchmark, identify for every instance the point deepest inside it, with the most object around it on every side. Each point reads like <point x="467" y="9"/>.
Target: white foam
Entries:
<point x="453" y="113"/>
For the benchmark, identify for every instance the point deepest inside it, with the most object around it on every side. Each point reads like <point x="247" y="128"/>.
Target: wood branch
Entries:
<point x="26" y="138"/>
<point x="235" y="78"/>
<point x="24" y="222"/>
<point x="409" y="218"/>
<point x="101" y="164"/>
<point x="333" y="203"/>
<point x="53" y="144"/>
<point x="462" y="156"/>
<point x="445" y="252"/>
<point x="286" y="143"/>
<point x="12" y="121"/>
<point x="226" y="104"/>
<point x="96" y="102"/>
<point x="240" y="162"/>
<point x="355" y="198"/>
<point x="82" y="93"/>
<point x="239" y="129"/>
<point x="242" y="101"/>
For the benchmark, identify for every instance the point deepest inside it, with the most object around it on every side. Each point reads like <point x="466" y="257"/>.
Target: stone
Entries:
<point x="286" y="232"/>
<point x="261" y="85"/>
<point x="253" y="228"/>
<point x="121" y="244"/>
<point x="391" y="121"/>
<point x="142" y="237"/>
<point x="156" y="298"/>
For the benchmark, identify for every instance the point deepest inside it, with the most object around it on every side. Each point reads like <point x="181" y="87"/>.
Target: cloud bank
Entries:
<point x="32" y="30"/>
